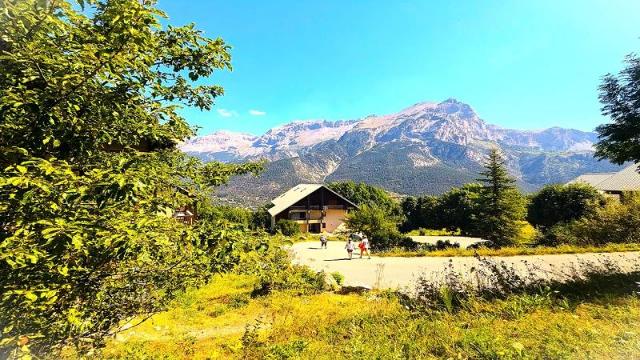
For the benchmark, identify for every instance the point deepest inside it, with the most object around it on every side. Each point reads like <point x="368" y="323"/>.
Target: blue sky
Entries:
<point x="519" y="64"/>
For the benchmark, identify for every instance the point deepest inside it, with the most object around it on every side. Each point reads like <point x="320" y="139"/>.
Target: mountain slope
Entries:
<point x="426" y="148"/>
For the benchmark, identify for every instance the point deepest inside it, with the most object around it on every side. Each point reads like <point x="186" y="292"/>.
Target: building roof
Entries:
<point x="627" y="179"/>
<point x="591" y="179"/>
<point x="296" y="194"/>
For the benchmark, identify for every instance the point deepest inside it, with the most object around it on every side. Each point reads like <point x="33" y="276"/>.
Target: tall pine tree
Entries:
<point x="501" y="204"/>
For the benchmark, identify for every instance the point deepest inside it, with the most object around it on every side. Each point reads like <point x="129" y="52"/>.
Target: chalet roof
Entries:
<point x="296" y="194"/>
<point x="627" y="179"/>
<point x="591" y="179"/>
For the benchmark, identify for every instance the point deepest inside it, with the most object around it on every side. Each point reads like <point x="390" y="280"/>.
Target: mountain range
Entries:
<point x="427" y="148"/>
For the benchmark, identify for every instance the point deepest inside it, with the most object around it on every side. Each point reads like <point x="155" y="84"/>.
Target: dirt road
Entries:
<point x="402" y="272"/>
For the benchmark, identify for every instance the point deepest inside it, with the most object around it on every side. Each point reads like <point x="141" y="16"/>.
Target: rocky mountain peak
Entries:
<point x="448" y="121"/>
<point x="425" y="148"/>
<point x="453" y="106"/>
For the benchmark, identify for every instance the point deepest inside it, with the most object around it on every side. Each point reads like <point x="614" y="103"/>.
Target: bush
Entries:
<point x="287" y="227"/>
<point x="272" y="266"/>
<point x="260" y="218"/>
<point x="446" y="244"/>
<point x="563" y="203"/>
<point x="615" y="223"/>
<point x="339" y="278"/>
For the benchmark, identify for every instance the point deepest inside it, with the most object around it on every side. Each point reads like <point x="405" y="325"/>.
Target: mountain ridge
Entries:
<point x="428" y="147"/>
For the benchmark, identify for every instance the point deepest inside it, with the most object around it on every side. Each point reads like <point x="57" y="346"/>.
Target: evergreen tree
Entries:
<point x="620" y="97"/>
<point x="501" y="204"/>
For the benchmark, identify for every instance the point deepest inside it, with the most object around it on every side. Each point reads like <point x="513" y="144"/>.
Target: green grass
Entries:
<point x="512" y="251"/>
<point x="303" y="237"/>
<point x="222" y="321"/>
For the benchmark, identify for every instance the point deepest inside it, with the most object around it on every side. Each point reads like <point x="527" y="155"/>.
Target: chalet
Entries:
<point x="615" y="184"/>
<point x="315" y="207"/>
<point x="186" y="213"/>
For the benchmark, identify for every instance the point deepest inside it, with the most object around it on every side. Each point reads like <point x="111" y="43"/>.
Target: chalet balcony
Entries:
<point x="304" y="216"/>
<point x="317" y="207"/>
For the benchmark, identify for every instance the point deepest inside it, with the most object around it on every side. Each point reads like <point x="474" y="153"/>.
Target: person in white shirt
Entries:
<point x="349" y="248"/>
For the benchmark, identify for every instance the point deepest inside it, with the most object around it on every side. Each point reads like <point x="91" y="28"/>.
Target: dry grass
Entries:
<point x="513" y="251"/>
<point x="221" y="321"/>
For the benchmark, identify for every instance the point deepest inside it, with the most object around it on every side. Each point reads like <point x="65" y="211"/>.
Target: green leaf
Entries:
<point x="77" y="242"/>
<point x="63" y="270"/>
<point x="31" y="296"/>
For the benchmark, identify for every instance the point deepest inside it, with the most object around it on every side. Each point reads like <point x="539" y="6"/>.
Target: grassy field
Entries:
<point x="222" y="321"/>
<point x="513" y="251"/>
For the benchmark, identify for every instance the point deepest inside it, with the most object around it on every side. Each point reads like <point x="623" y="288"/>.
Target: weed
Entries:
<point x="339" y="278"/>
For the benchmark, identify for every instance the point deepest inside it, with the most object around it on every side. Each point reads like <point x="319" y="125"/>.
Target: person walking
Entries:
<point x="323" y="241"/>
<point x="349" y="248"/>
<point x="364" y="247"/>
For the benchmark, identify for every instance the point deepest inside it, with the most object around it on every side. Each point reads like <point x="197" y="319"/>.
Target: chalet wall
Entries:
<point x="333" y="219"/>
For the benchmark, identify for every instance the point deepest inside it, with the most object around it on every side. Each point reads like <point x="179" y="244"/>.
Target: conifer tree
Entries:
<point x="501" y="204"/>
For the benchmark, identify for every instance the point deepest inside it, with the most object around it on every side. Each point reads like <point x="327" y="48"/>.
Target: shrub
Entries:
<point x="260" y="218"/>
<point x="446" y="244"/>
<point x="287" y="227"/>
<point x="612" y="224"/>
<point x="563" y="203"/>
<point x="339" y="278"/>
<point x="272" y="266"/>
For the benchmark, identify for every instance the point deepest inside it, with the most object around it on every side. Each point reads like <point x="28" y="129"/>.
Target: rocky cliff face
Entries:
<point x="426" y="148"/>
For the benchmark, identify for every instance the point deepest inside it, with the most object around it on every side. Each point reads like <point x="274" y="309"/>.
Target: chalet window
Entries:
<point x="324" y="225"/>
<point x="298" y="215"/>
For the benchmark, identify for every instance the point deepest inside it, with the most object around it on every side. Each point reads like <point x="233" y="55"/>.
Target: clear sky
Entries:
<point x="519" y="64"/>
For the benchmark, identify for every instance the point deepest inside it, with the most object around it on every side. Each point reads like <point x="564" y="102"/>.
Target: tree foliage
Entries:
<point x="72" y="81"/>
<point x="364" y="194"/>
<point x="609" y="224"/>
<point x="620" y="97"/>
<point x="287" y="227"/>
<point x="374" y="222"/>
<point x="492" y="210"/>
<point x="457" y="209"/>
<point x="89" y="94"/>
<point x="501" y="204"/>
<point x="555" y="204"/>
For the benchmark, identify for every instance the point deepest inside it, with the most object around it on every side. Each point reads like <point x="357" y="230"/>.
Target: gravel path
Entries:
<point x="402" y="272"/>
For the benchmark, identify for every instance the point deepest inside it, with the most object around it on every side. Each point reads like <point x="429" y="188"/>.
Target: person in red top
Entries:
<point x="364" y="247"/>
